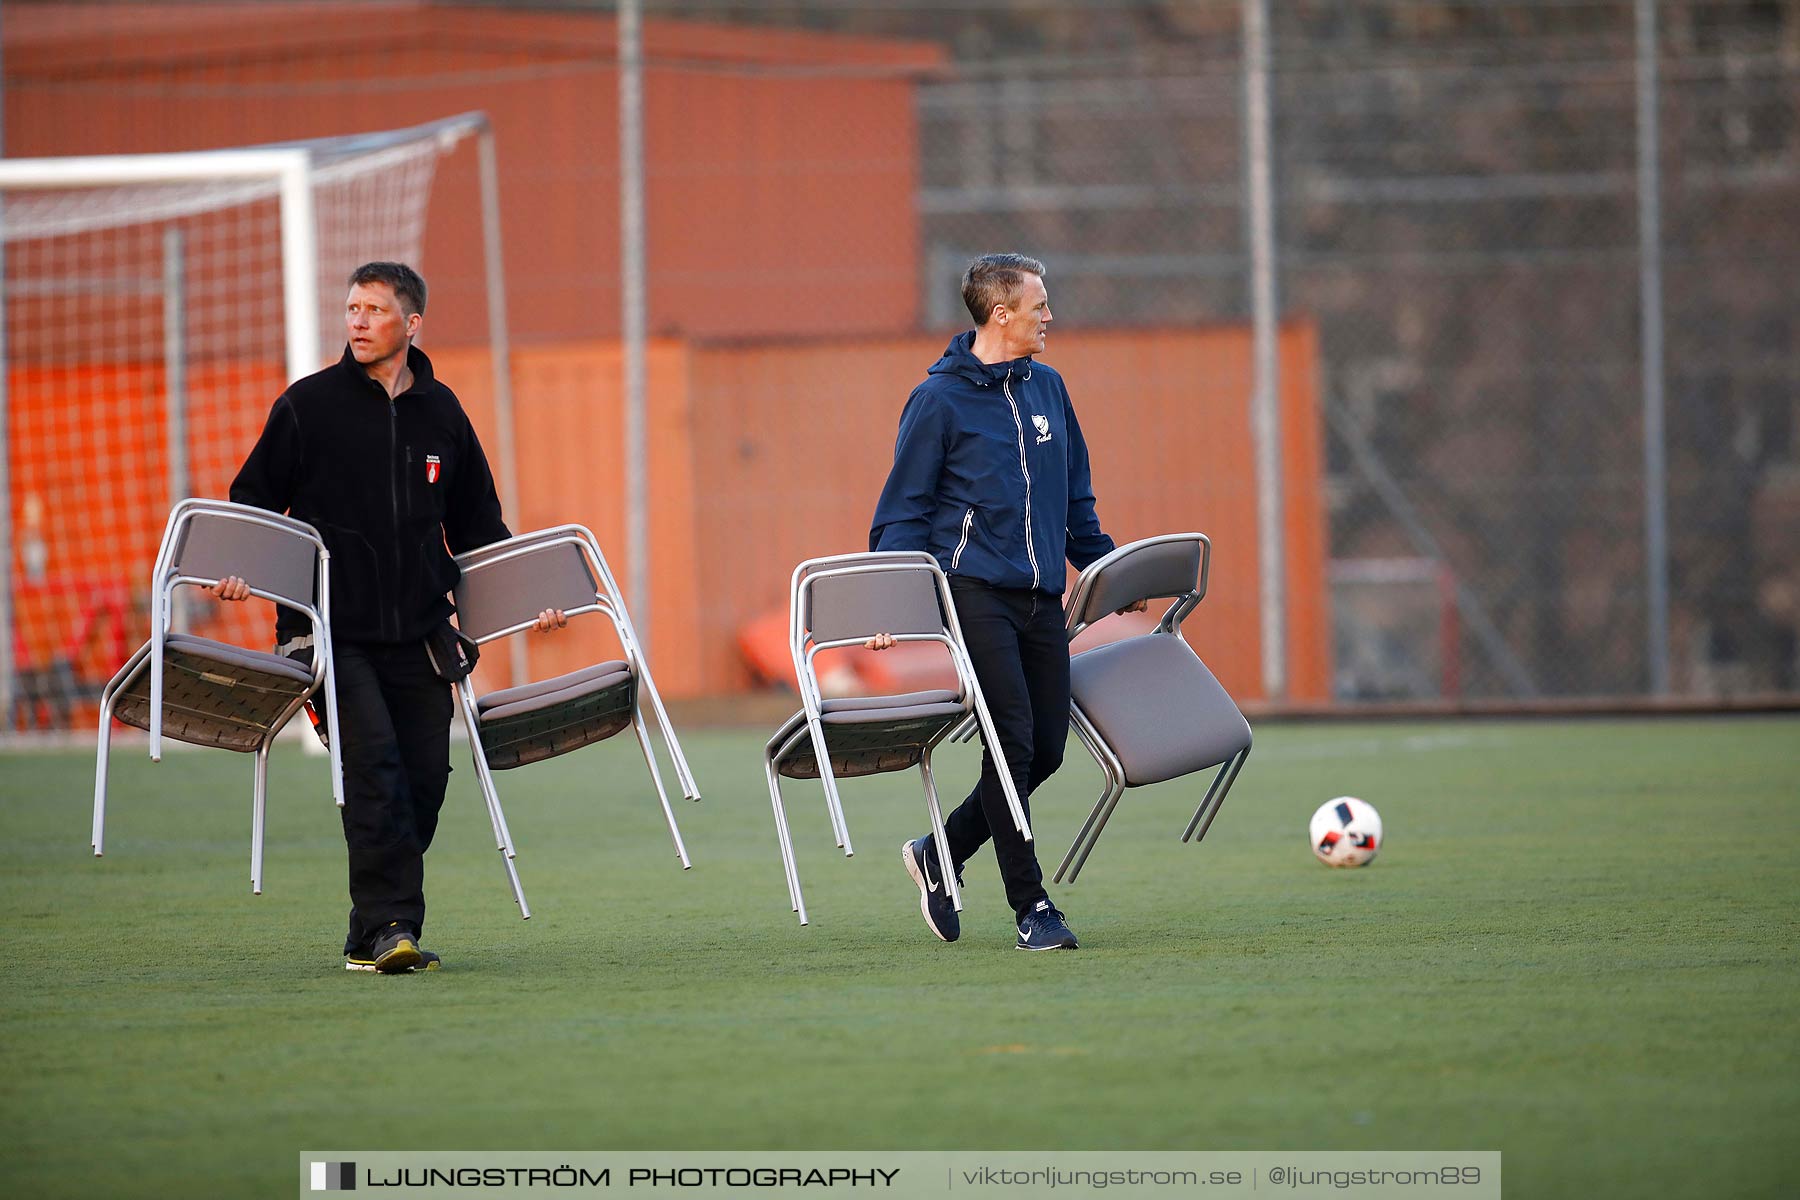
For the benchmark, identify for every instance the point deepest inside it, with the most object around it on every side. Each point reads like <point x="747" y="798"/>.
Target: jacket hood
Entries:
<point x="959" y="359"/>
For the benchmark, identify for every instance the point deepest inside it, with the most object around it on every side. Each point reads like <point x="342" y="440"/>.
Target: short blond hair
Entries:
<point x="996" y="279"/>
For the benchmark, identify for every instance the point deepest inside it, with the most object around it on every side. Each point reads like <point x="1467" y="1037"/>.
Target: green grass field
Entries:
<point x="1578" y="948"/>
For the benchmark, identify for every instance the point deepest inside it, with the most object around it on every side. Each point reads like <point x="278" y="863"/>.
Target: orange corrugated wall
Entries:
<point x="765" y="453"/>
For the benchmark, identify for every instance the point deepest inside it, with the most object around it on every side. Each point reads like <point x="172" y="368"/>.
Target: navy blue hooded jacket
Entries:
<point x="991" y="474"/>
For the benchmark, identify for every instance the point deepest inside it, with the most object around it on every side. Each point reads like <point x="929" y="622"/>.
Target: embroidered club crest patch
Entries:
<point x="433" y="467"/>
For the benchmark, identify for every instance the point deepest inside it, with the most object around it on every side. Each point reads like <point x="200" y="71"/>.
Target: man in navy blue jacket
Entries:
<point x="991" y="477"/>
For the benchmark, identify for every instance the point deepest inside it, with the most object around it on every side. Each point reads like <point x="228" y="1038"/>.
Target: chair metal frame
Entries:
<point x="609" y="601"/>
<point x="1111" y="768"/>
<point x="165" y="577"/>
<point x="804" y="649"/>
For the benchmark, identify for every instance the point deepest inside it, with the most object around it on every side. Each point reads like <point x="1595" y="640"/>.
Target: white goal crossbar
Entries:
<point x="288" y="169"/>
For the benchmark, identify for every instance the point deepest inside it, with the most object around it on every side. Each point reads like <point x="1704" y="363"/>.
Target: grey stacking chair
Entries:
<point x="1146" y="707"/>
<point x="210" y="693"/>
<point x="503" y="589"/>
<point x="843" y="601"/>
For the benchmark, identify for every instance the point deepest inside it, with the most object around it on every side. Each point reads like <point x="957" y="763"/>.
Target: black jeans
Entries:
<point x="394" y="719"/>
<point x="1020" y="654"/>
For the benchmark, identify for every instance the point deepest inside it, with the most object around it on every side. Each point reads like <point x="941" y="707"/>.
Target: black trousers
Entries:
<point x="1020" y="654"/>
<point x="394" y="719"/>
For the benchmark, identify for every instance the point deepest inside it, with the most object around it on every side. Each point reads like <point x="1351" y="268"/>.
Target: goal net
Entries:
<point x="154" y="306"/>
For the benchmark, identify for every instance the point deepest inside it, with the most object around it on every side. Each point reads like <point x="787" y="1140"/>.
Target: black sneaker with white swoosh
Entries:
<point x="920" y="857"/>
<point x="1043" y="929"/>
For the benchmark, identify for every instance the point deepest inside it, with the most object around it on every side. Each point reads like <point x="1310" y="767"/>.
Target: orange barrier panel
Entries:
<point x="765" y="453"/>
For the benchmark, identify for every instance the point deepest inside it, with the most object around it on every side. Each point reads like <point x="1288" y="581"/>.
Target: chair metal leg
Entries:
<point x="643" y="736"/>
<point x="1110" y="802"/>
<point x="156" y="675"/>
<point x="834" y="805"/>
<point x="512" y="877"/>
<point x="259" y="797"/>
<point x="109" y="697"/>
<point x="496" y="817"/>
<point x="97" y="836"/>
<point x="1087" y="827"/>
<point x="939" y="838"/>
<point x="335" y="751"/>
<point x="784" y="838"/>
<point x="472" y="727"/>
<point x="1109" y="776"/>
<point x="683" y="774"/>
<point x="1215" y="795"/>
<point x="1206" y="802"/>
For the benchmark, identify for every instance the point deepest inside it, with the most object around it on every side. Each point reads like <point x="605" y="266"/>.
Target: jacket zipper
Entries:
<point x="1030" y="550"/>
<point x="394" y="499"/>
<point x="968" y="520"/>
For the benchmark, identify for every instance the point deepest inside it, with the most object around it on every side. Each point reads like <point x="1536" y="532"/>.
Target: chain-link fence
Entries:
<point x="1460" y="260"/>
<point x="1458" y="213"/>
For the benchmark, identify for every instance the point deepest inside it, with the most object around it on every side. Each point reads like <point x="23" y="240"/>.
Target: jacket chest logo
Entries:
<point x="433" y="468"/>
<point x="1043" y="428"/>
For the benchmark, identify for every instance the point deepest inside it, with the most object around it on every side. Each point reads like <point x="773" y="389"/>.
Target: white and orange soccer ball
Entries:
<point x="1346" y="832"/>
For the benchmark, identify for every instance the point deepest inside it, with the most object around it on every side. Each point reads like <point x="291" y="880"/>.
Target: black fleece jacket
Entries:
<point x="395" y="487"/>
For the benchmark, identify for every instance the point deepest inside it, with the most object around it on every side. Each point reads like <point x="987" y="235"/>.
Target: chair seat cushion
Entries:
<point x="891" y="714"/>
<point x="555" y="716"/>
<point x="260" y="661"/>
<point x="879" y="734"/>
<point x="905" y="700"/>
<point x="1157" y="707"/>
<point x="214" y="694"/>
<point x="545" y="687"/>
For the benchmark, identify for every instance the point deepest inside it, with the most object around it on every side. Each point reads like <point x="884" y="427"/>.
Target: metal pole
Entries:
<point x="631" y="267"/>
<point x="8" y="668"/>
<point x="1650" y="325"/>
<point x="500" y="354"/>
<point x="1265" y="416"/>
<point x="175" y="390"/>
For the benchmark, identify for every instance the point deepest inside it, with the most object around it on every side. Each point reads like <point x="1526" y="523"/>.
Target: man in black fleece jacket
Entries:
<point x="380" y="458"/>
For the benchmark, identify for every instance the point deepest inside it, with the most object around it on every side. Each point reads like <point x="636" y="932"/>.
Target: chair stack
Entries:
<point x="843" y="601"/>
<point x="502" y="590"/>
<point x="211" y="693"/>
<point x="1146" y="707"/>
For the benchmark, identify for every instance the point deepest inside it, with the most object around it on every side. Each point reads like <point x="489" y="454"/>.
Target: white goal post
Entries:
<point x="288" y="170"/>
<point x="151" y="307"/>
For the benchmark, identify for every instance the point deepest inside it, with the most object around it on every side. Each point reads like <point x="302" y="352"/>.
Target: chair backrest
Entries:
<point x="275" y="554"/>
<point x="899" y="599"/>
<point x="504" y="586"/>
<point x="1168" y="566"/>
<point x="871" y="558"/>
